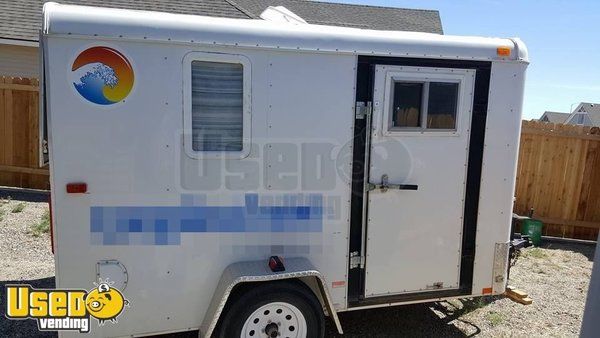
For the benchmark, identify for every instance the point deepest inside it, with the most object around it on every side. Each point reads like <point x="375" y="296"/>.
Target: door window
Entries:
<point x="424" y="105"/>
<point x="442" y="102"/>
<point x="408" y="97"/>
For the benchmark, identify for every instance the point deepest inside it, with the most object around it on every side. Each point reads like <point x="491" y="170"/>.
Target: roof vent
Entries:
<point x="281" y="14"/>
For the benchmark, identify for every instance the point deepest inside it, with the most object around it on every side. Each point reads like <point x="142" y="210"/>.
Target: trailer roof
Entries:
<point x="109" y="23"/>
<point x="21" y="20"/>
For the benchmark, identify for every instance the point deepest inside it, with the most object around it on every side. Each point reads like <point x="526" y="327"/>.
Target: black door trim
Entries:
<point x="364" y="93"/>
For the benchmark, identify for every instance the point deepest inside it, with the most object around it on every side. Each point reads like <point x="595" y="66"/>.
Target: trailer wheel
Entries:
<point x="283" y="309"/>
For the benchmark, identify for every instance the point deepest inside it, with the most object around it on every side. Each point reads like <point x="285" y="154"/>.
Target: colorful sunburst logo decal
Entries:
<point x="102" y="75"/>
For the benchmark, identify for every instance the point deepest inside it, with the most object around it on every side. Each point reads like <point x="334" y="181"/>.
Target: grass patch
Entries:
<point x="43" y="226"/>
<point x="535" y="253"/>
<point x="473" y="304"/>
<point x="18" y="208"/>
<point x="476" y="303"/>
<point x="494" y="318"/>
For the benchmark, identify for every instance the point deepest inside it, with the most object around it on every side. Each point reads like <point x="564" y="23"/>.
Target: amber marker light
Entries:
<point x="503" y="51"/>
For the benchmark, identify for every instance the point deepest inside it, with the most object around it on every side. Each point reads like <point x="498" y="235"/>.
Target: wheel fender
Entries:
<point x="258" y="271"/>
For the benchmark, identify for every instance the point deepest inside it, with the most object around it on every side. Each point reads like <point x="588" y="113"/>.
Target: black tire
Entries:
<point x="251" y="297"/>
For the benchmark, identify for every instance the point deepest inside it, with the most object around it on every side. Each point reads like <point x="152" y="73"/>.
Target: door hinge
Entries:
<point x="362" y="109"/>
<point x="356" y="261"/>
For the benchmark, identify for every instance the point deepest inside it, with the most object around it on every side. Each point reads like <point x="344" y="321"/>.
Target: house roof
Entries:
<point x="592" y="109"/>
<point x="555" y="117"/>
<point x="21" y="20"/>
<point x="357" y="16"/>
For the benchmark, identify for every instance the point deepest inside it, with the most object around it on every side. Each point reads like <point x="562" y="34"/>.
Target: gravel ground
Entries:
<point x="556" y="276"/>
<point x="22" y="255"/>
<point x="24" y="258"/>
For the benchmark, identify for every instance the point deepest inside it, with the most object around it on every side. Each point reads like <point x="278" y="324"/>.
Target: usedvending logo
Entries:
<point x="65" y="309"/>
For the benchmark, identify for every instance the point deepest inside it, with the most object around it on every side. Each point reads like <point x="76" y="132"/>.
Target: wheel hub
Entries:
<point x="275" y="320"/>
<point x="272" y="330"/>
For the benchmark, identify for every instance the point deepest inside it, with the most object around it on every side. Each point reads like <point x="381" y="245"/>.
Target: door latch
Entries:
<point x="385" y="185"/>
<point x="362" y="110"/>
<point x="356" y="260"/>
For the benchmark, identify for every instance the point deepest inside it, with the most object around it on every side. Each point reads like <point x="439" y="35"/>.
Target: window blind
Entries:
<point x="217" y="106"/>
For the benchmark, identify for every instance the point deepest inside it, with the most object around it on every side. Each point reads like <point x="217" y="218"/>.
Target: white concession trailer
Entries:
<point x="376" y="167"/>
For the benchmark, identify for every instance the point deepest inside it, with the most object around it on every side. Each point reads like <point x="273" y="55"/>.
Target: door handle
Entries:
<point x="385" y="186"/>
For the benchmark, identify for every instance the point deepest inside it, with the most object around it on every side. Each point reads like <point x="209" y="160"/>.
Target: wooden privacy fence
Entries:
<point x="19" y="135"/>
<point x="559" y="177"/>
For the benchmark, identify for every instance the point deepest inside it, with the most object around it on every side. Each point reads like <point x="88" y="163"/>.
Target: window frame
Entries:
<point x="425" y="76"/>
<point x="579" y="116"/>
<point x="246" y="105"/>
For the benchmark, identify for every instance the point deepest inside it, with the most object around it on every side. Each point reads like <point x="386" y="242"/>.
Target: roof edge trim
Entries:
<point x="121" y="24"/>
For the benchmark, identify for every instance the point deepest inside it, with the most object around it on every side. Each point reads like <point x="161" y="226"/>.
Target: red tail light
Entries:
<point x="76" y="188"/>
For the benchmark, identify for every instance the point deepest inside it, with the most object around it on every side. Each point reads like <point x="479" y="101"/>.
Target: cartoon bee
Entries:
<point x="105" y="303"/>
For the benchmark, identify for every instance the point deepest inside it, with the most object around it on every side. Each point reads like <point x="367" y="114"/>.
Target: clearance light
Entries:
<point x="276" y="264"/>
<point x="503" y="51"/>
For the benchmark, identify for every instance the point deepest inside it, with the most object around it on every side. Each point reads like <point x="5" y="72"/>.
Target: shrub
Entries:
<point x="43" y="226"/>
<point x="18" y="208"/>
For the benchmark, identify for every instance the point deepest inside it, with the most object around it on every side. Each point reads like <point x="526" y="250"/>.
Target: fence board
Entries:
<point x="3" y="176"/>
<point x="19" y="137"/>
<point x="559" y="177"/>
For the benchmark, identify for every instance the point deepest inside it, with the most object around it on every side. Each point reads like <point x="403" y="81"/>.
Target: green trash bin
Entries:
<point x="533" y="228"/>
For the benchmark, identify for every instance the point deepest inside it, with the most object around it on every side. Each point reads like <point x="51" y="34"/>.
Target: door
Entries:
<point x="417" y="178"/>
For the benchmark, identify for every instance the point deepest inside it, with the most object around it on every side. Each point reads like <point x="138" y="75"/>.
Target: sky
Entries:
<point x="563" y="39"/>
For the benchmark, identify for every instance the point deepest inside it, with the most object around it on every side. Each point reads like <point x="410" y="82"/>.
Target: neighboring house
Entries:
<point x="554" y="117"/>
<point x="586" y="114"/>
<point x="20" y="21"/>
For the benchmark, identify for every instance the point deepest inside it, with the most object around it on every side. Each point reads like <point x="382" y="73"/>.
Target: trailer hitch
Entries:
<point x="518" y="241"/>
<point x="385" y="186"/>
